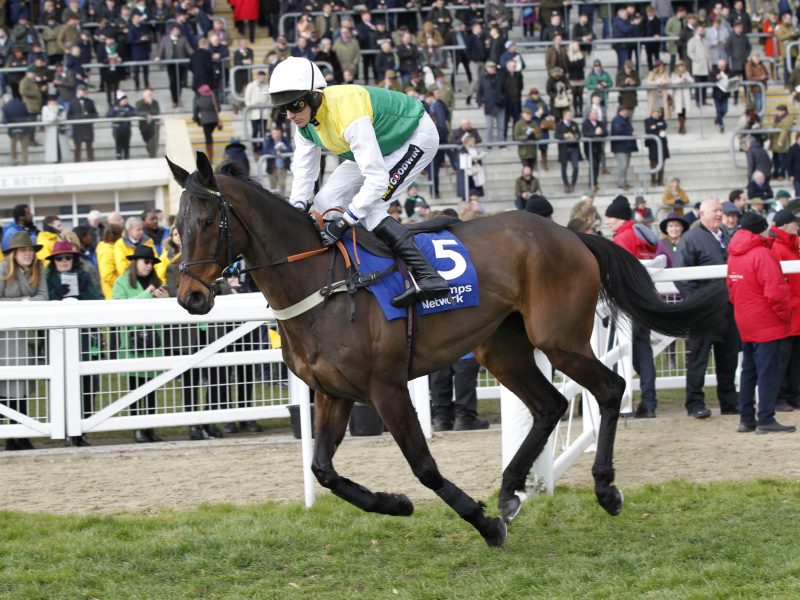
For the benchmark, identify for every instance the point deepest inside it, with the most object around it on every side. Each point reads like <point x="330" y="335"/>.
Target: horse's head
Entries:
<point x="204" y="222"/>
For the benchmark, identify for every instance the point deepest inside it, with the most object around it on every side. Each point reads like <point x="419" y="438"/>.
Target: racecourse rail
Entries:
<point x="60" y="368"/>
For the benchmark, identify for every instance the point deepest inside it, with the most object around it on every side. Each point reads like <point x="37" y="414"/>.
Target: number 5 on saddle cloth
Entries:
<point x="446" y="254"/>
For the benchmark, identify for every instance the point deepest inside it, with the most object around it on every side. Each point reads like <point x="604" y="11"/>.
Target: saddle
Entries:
<point x="372" y="244"/>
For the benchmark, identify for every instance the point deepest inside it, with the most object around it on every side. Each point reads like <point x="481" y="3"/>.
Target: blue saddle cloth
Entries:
<point x="447" y="255"/>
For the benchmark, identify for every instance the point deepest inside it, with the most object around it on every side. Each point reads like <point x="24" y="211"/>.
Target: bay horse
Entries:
<point x="539" y="285"/>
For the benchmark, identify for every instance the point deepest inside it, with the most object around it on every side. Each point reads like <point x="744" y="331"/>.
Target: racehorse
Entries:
<point x="539" y="285"/>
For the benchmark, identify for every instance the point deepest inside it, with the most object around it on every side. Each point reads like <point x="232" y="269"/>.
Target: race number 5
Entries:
<point x="459" y="264"/>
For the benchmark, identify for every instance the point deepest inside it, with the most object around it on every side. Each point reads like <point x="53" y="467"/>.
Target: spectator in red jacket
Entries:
<point x="760" y="297"/>
<point x="783" y="235"/>
<point x="639" y="240"/>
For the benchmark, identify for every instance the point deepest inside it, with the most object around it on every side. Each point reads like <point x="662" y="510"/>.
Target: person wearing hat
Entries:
<point x="491" y="98"/>
<point x="783" y="236"/>
<point x="780" y="141"/>
<point x="121" y="128"/>
<point x="511" y="53"/>
<point x="67" y="278"/>
<point x="555" y="26"/>
<point x="539" y="205"/>
<point x="673" y="227"/>
<point x="21" y="278"/>
<point x="598" y="80"/>
<point x="82" y="107"/>
<point x="763" y="313"/>
<point x="640" y="241"/>
<point x="730" y="219"/>
<point x="140" y="281"/>
<point x="782" y="199"/>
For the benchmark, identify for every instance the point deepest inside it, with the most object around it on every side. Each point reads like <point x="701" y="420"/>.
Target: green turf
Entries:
<point x="677" y="540"/>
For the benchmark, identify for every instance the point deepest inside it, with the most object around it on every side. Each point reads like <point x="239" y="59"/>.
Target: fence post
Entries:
<point x="299" y="394"/>
<point x="71" y="383"/>
<point x="59" y="393"/>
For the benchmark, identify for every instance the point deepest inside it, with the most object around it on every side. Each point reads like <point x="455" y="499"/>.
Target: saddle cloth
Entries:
<point x="447" y="255"/>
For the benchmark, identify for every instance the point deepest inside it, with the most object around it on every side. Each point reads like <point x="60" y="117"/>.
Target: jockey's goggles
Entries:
<point x="293" y="107"/>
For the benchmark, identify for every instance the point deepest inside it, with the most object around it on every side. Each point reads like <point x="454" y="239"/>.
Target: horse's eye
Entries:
<point x="209" y="221"/>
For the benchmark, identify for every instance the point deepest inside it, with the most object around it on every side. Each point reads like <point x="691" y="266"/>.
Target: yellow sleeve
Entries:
<point x="121" y="252"/>
<point x="106" y="268"/>
<point x="47" y="242"/>
<point x="161" y="268"/>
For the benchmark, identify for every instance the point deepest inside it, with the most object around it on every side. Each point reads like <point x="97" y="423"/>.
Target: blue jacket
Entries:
<point x="620" y="126"/>
<point x="476" y="48"/>
<point x="10" y="230"/>
<point x="269" y="148"/>
<point x="140" y="49"/>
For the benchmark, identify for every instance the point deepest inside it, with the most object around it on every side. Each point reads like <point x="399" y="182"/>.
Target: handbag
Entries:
<point x="562" y="100"/>
<point x="548" y="123"/>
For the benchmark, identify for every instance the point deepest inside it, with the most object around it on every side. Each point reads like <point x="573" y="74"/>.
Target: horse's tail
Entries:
<point x="627" y="287"/>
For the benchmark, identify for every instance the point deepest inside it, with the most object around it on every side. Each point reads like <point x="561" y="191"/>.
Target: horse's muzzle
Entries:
<point x="197" y="303"/>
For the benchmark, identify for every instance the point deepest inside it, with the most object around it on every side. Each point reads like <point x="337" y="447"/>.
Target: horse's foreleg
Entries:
<point x="607" y="388"/>
<point x="399" y="416"/>
<point x="508" y="355"/>
<point x="331" y="416"/>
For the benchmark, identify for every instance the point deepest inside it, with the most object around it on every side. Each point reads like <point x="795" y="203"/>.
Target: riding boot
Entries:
<point x="653" y="175"/>
<point x="24" y="444"/>
<point x="545" y="166"/>
<point x="429" y="284"/>
<point x="210" y="152"/>
<point x="681" y="124"/>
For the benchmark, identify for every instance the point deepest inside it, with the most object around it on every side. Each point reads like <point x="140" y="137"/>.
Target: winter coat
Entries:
<point x="699" y="247"/>
<point x="718" y="40"/>
<point x="245" y="10"/>
<point x="738" y="48"/>
<point x="784" y="246"/>
<point x="349" y="55"/>
<point x="562" y="129"/>
<point x="54" y="137"/>
<point x="124" y="112"/>
<point x="87" y="290"/>
<point x="15" y="111"/>
<point x="779" y="142"/>
<point x="46" y="239"/>
<point x="166" y="47"/>
<point x="770" y="43"/>
<point x="699" y="52"/>
<point x="106" y="268"/>
<point x="526" y="131"/>
<point x="755" y="72"/>
<point x="628" y="98"/>
<point x="140" y="38"/>
<point x="137" y="341"/>
<point x="759" y="191"/>
<point x="16" y="346"/>
<point x="490" y="94"/>
<point x="620" y="126"/>
<point x="667" y="250"/>
<point x="757" y="159"/>
<point x="636" y="238"/>
<point x="673" y="28"/>
<point x="717" y="93"/>
<point x="205" y="111"/>
<point x="593" y="150"/>
<point x="681" y="98"/>
<point x="793" y="161"/>
<point x="758" y="290"/>
<point x="476" y="48"/>
<point x="656" y="127"/>
<point x="31" y="94"/>
<point x="82" y="108"/>
<point x="202" y="69"/>
<point x="593" y="81"/>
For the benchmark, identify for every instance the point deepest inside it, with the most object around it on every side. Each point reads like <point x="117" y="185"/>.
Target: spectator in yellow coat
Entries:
<point x="106" y="266"/>
<point x="47" y="237"/>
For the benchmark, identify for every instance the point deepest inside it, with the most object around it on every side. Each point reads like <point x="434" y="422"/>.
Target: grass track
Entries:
<point x="677" y="540"/>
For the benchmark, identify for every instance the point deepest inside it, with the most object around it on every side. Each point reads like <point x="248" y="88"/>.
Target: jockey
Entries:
<point x="386" y="139"/>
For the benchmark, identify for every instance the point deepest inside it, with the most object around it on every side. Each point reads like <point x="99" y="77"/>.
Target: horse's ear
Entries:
<point x="180" y="174"/>
<point x="204" y="168"/>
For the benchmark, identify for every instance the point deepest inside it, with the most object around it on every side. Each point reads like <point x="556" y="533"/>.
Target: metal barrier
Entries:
<point x="258" y="67"/>
<point x="740" y="132"/>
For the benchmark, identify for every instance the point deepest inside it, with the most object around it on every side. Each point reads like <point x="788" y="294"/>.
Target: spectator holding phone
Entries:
<point x="140" y="281"/>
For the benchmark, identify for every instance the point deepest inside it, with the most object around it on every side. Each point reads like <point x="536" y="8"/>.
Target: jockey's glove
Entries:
<point x="302" y="205"/>
<point x="333" y="231"/>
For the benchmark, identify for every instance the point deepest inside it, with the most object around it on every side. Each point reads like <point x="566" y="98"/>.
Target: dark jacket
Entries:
<point x="717" y="93"/>
<point x="490" y="94"/>
<point x="738" y="48"/>
<point x="148" y="128"/>
<point x="793" y="162"/>
<point x="757" y="159"/>
<point x="588" y="132"/>
<point x="202" y="68"/>
<point x="82" y="108"/>
<point x="512" y="86"/>
<point x="759" y="191"/>
<point x="15" y="111"/>
<point x="204" y="112"/>
<point x="140" y="38"/>
<point x="656" y="127"/>
<point x="698" y="247"/>
<point x="620" y="126"/>
<point x="562" y="129"/>
<point x="476" y="48"/>
<point x="123" y="112"/>
<point x="87" y="289"/>
<point x="628" y="98"/>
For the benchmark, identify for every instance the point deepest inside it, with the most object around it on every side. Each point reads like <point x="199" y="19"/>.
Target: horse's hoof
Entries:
<point x="510" y="508"/>
<point x="397" y="505"/>
<point x="612" y="501"/>
<point x="495" y="533"/>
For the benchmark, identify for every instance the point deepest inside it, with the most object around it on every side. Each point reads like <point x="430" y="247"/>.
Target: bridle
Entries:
<point x="225" y="210"/>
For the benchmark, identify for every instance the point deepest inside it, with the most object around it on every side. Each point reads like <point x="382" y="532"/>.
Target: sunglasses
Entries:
<point x="63" y="258"/>
<point x="147" y="261"/>
<point x="294" y="107"/>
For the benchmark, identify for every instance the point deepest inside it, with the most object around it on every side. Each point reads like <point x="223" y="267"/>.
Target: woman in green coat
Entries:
<point x="140" y="281"/>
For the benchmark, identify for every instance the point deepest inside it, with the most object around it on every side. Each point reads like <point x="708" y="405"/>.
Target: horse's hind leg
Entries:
<point x="394" y="405"/>
<point x="508" y="355"/>
<point x="607" y="388"/>
<point x="330" y="423"/>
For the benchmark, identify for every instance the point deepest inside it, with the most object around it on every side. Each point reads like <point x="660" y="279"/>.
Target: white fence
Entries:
<point x="73" y="386"/>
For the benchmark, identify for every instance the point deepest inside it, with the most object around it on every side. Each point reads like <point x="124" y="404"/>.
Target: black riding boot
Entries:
<point x="429" y="283"/>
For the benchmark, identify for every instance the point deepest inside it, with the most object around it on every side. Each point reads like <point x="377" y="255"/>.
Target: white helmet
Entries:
<point x="293" y="78"/>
